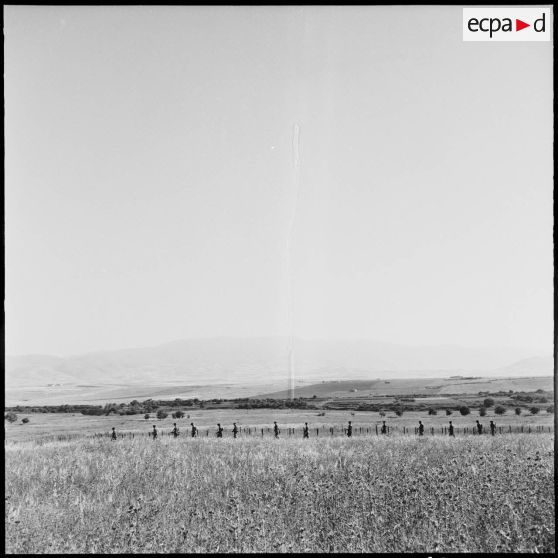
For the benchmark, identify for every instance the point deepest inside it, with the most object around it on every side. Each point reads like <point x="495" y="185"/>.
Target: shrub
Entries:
<point x="146" y="416"/>
<point x="449" y="412"/>
<point x="482" y="411"/>
<point x="550" y="409"/>
<point x="161" y="414"/>
<point x="518" y="411"/>
<point x="499" y="410"/>
<point x="398" y="412"/>
<point x="488" y="402"/>
<point x="10" y="417"/>
<point x="25" y="420"/>
<point x="178" y="414"/>
<point x="382" y="414"/>
<point x="534" y="410"/>
<point x="432" y="411"/>
<point x="464" y="410"/>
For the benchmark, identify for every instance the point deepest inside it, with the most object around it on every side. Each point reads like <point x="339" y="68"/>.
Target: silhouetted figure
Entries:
<point x="113" y="435"/>
<point x="175" y="431"/>
<point x="421" y="428"/>
<point x="349" y="430"/>
<point x="193" y="430"/>
<point x="451" y="429"/>
<point x="479" y="427"/>
<point x="384" y="427"/>
<point x="219" y="431"/>
<point x="305" y="430"/>
<point x="492" y="428"/>
<point x="154" y="433"/>
<point x="276" y="429"/>
<point x="235" y="430"/>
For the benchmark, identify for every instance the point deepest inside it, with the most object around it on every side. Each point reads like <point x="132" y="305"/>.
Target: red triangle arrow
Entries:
<point x="519" y="25"/>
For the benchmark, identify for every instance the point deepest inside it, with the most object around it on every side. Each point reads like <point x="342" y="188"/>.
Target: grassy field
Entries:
<point x="366" y="494"/>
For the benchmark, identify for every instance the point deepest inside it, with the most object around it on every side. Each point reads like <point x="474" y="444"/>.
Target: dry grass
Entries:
<point x="474" y="494"/>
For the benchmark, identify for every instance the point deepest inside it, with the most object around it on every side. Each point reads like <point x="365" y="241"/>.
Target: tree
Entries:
<point x="161" y="414"/>
<point x="482" y="411"/>
<point x="10" y="417"/>
<point x="518" y="411"/>
<point x="146" y="416"/>
<point x="488" y="402"/>
<point x="499" y="410"/>
<point x="448" y="412"/>
<point x="25" y="420"/>
<point x="534" y="410"/>
<point x="464" y="410"/>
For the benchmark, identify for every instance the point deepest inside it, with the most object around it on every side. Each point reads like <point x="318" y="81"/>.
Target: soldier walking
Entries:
<point x="219" y="431"/>
<point x="276" y="429"/>
<point x="234" y="430"/>
<point x="193" y="430"/>
<point x="479" y="427"/>
<point x="421" y="428"/>
<point x="305" y="430"/>
<point x="175" y="431"/>
<point x="113" y="435"/>
<point x="349" y="430"/>
<point x="384" y="427"/>
<point x="492" y="428"/>
<point x="154" y="433"/>
<point x="451" y="429"/>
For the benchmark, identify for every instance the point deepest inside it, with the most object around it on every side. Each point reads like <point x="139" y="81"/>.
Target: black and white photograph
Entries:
<point x="279" y="279"/>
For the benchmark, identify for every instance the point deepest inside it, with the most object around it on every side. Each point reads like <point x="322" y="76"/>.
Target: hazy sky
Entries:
<point x="152" y="193"/>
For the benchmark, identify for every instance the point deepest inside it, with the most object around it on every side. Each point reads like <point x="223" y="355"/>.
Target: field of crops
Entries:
<point x="371" y="494"/>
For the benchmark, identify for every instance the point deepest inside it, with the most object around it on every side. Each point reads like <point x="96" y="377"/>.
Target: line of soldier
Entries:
<point x="305" y="430"/>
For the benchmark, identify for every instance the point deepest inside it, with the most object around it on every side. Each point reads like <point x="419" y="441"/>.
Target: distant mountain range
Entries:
<point x="234" y="360"/>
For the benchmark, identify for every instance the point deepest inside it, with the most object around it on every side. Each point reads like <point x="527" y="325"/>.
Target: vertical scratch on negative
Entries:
<point x="290" y="278"/>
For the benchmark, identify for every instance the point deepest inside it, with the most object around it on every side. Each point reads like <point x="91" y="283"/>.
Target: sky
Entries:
<point x="320" y="172"/>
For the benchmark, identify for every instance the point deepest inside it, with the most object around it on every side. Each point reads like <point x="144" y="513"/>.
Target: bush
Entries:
<point x="432" y="411"/>
<point x="550" y="409"/>
<point x="161" y="414"/>
<point x="179" y="414"/>
<point x="146" y="416"/>
<point x="482" y="411"/>
<point x="449" y="412"/>
<point x="25" y="420"/>
<point x="382" y="414"/>
<point x="518" y="411"/>
<point x="398" y="412"/>
<point x="488" y="402"/>
<point x="10" y="417"/>
<point x="499" y="410"/>
<point x="534" y="410"/>
<point x="464" y="410"/>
